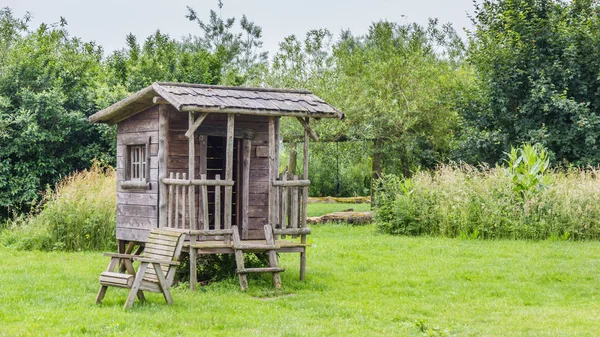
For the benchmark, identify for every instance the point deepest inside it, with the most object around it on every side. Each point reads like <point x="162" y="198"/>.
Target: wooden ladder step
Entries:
<point x="260" y="270"/>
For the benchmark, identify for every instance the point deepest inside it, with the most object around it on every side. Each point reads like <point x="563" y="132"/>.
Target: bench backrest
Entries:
<point x="163" y="244"/>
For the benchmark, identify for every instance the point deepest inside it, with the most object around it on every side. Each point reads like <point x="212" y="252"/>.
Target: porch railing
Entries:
<point x="290" y="216"/>
<point x="183" y="199"/>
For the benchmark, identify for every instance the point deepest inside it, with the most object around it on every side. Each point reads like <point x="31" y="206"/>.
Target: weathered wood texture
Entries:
<point x="137" y="208"/>
<point x="207" y="162"/>
<point x="156" y="272"/>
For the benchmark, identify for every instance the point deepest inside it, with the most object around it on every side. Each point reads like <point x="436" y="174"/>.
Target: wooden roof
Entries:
<point x="220" y="99"/>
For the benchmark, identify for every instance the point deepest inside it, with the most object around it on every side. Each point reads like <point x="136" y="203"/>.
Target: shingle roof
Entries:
<point x="220" y="99"/>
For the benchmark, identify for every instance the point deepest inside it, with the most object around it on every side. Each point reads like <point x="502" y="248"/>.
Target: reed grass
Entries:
<point x="470" y="202"/>
<point x="77" y="214"/>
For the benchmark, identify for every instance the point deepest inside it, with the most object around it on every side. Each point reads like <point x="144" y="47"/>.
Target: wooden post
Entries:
<point x="163" y="153"/>
<point x="192" y="173"/>
<point x="176" y="209"/>
<point x="202" y="169"/>
<point x="192" y="199"/>
<point x="276" y="172"/>
<point x="229" y="172"/>
<point x="304" y="201"/>
<point x="245" y="188"/>
<point x="272" y="171"/>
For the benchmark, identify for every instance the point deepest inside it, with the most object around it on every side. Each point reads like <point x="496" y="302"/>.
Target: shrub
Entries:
<point x="465" y="201"/>
<point x="78" y="214"/>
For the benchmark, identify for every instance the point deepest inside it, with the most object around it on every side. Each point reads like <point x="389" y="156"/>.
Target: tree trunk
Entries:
<point x="376" y="168"/>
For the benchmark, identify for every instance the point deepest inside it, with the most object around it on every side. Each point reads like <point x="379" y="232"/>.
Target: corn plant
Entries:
<point x="527" y="166"/>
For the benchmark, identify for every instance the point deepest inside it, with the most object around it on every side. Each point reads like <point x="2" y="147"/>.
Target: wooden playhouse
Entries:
<point x="205" y="159"/>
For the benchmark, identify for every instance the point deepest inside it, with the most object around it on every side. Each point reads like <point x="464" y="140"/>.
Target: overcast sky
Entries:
<point x="108" y="21"/>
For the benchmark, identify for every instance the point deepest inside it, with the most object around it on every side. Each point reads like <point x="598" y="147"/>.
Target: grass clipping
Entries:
<point x="78" y="214"/>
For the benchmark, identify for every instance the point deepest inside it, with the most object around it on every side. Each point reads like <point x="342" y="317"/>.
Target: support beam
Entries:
<point x="193" y="126"/>
<point x="245" y="188"/>
<point x="163" y="153"/>
<point x="313" y="135"/>
<point x="304" y="200"/>
<point x="159" y="100"/>
<point x="272" y="170"/>
<point x="192" y="194"/>
<point x="229" y="171"/>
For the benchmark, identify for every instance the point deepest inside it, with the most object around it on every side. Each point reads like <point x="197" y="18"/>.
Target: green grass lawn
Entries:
<point x="359" y="283"/>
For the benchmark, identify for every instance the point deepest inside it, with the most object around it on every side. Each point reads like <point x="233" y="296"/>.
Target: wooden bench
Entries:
<point x="158" y="264"/>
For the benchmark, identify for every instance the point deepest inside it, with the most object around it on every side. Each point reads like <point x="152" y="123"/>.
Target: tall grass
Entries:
<point x="464" y="201"/>
<point x="78" y="214"/>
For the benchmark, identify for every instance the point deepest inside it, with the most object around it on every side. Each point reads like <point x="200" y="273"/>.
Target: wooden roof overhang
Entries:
<point x="187" y="97"/>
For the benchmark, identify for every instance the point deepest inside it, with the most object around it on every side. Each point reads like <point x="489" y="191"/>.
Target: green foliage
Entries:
<point x="161" y="58"/>
<point x="526" y="168"/>
<point x="78" y="214"/>
<point x="396" y="86"/>
<point x="219" y="267"/>
<point x="239" y="53"/>
<point x="48" y="88"/>
<point x="537" y="70"/>
<point x="474" y="202"/>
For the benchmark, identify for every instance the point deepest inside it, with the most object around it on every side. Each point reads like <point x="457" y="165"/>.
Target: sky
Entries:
<point x="107" y="22"/>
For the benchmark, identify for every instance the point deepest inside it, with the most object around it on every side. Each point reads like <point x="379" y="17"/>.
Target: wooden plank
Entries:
<point x="292" y="183"/>
<point x="146" y="211"/>
<point x="273" y="259"/>
<point x="239" y="258"/>
<point x="192" y="174"/>
<point x="197" y="182"/>
<point x="229" y="170"/>
<point x="212" y="232"/>
<point x="262" y="152"/>
<point x="135" y="198"/>
<point x="136" y="222"/>
<point x="132" y="234"/>
<point x="291" y="231"/>
<point x="138" y="126"/>
<point x="163" y="154"/>
<point x="246" y="151"/>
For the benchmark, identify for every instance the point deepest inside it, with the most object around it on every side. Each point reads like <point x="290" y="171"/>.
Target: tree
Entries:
<point x="396" y="85"/>
<point x="537" y="68"/>
<point x="239" y="53"/>
<point x="48" y="87"/>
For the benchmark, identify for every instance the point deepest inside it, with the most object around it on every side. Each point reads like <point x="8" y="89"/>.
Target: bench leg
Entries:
<point x="303" y="265"/>
<point x="136" y="285"/>
<point x="140" y="296"/>
<point x="101" y="294"/>
<point x="193" y="268"/>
